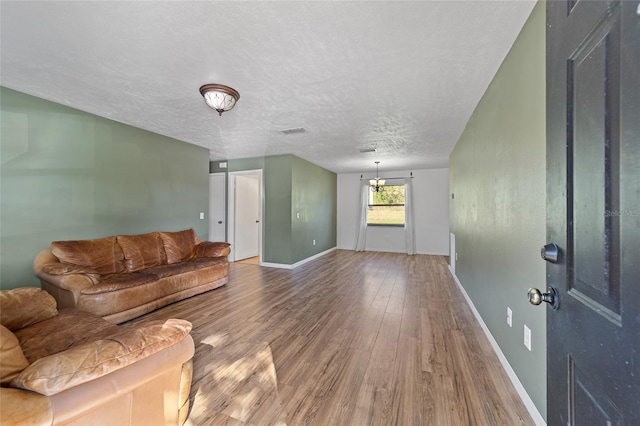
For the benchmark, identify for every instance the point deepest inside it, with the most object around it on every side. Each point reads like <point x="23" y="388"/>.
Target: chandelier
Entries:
<point x="219" y="97"/>
<point x="377" y="183"/>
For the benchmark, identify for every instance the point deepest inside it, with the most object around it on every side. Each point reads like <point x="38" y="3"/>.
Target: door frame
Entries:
<point x="231" y="208"/>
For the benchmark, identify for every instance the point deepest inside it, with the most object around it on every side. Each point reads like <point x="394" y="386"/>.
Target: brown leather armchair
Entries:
<point x="72" y="367"/>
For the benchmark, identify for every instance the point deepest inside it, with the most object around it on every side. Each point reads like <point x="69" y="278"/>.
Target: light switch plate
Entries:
<point x="527" y="337"/>
<point x="509" y="317"/>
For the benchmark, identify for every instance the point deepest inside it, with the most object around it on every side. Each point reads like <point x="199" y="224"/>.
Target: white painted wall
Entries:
<point x="431" y="209"/>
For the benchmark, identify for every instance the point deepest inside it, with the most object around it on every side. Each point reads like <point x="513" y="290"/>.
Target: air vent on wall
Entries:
<point x="294" y="130"/>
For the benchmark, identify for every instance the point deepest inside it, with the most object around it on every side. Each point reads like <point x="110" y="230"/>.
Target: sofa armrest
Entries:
<point x="21" y="407"/>
<point x="63" y="281"/>
<point x="44" y="257"/>
<point x="86" y="362"/>
<point x="211" y="249"/>
<point x="145" y="392"/>
<point x="66" y="288"/>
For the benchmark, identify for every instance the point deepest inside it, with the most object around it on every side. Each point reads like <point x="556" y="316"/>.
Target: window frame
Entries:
<point x="392" y="225"/>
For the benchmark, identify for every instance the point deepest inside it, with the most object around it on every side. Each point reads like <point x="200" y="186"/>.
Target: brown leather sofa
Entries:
<point x="125" y="276"/>
<point x="74" y="368"/>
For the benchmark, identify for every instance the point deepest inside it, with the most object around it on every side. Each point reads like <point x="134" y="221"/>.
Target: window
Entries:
<point x="387" y="206"/>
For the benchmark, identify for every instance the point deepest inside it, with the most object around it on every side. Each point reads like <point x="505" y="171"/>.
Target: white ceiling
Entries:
<point x="403" y="77"/>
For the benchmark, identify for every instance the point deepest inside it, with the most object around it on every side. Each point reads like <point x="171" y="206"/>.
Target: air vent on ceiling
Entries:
<point x="366" y="150"/>
<point x="294" y="130"/>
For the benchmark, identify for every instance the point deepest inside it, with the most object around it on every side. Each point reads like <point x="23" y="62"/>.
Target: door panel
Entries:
<point x="593" y="142"/>
<point x="593" y="212"/>
<point x="247" y="211"/>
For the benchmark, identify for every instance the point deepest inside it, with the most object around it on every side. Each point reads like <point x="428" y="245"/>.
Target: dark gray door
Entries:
<point x="593" y="212"/>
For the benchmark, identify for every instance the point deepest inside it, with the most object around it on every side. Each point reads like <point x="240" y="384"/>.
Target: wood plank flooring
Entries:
<point x="350" y="338"/>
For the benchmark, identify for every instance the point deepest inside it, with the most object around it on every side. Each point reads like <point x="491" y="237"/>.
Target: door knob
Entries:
<point x="257" y="221"/>
<point x="550" y="252"/>
<point x="220" y="222"/>
<point x="536" y="297"/>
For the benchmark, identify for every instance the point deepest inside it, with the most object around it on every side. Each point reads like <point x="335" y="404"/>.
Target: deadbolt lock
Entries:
<point x="550" y="252"/>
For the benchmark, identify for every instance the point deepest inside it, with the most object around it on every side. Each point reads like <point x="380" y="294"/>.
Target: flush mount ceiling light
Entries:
<point x="219" y="97"/>
<point x="377" y="183"/>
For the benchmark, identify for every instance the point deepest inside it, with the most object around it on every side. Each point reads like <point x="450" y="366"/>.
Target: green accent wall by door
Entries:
<point x="313" y="209"/>
<point x="498" y="179"/>
<point x="67" y="174"/>
<point x="300" y="205"/>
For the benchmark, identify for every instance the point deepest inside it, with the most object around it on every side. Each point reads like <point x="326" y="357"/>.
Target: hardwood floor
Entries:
<point x="348" y="339"/>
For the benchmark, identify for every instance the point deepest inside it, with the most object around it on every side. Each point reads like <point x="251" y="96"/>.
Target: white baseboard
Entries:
<point x="299" y="263"/>
<point x="526" y="399"/>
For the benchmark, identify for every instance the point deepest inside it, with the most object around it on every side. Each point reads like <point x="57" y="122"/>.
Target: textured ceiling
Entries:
<point x="403" y="77"/>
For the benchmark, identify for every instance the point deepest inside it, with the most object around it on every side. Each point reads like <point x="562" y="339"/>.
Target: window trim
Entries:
<point x="391" y="225"/>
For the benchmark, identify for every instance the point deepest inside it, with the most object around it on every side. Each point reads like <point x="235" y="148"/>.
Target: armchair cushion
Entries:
<point x="103" y="254"/>
<point x="22" y="307"/>
<point x="142" y="251"/>
<point x="85" y="362"/>
<point x="178" y="245"/>
<point x="13" y="360"/>
<point x="69" y="328"/>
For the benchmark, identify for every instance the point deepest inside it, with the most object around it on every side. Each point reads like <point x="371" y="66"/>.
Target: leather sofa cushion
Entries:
<point x="70" y="327"/>
<point x="115" y="282"/>
<point x="102" y="254"/>
<point x="142" y="251"/>
<point x="207" y="262"/>
<point x="164" y="271"/>
<point x="178" y="245"/>
<point x="12" y="360"/>
<point x="63" y="268"/>
<point x="21" y="307"/>
<point x="83" y="363"/>
<point x="211" y="249"/>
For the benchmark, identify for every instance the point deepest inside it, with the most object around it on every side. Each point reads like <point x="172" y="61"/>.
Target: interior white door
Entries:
<point x="247" y="217"/>
<point x="217" y="222"/>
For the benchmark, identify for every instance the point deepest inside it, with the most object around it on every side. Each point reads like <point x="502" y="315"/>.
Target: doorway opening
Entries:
<point x="245" y="215"/>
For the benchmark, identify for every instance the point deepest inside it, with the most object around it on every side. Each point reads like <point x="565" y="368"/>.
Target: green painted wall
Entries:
<point x="277" y="210"/>
<point x="68" y="174"/>
<point x="497" y="173"/>
<point x="314" y="200"/>
<point x="293" y="185"/>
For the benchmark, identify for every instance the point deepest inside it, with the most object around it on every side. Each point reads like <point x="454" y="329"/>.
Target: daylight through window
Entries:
<point x="387" y="206"/>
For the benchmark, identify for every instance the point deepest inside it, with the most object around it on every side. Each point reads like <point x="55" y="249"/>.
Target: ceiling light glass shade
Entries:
<point x="377" y="183"/>
<point x="219" y="97"/>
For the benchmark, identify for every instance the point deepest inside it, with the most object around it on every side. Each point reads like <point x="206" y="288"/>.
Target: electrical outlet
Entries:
<point x="297" y="215"/>
<point x="509" y="317"/>
<point x="527" y="337"/>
